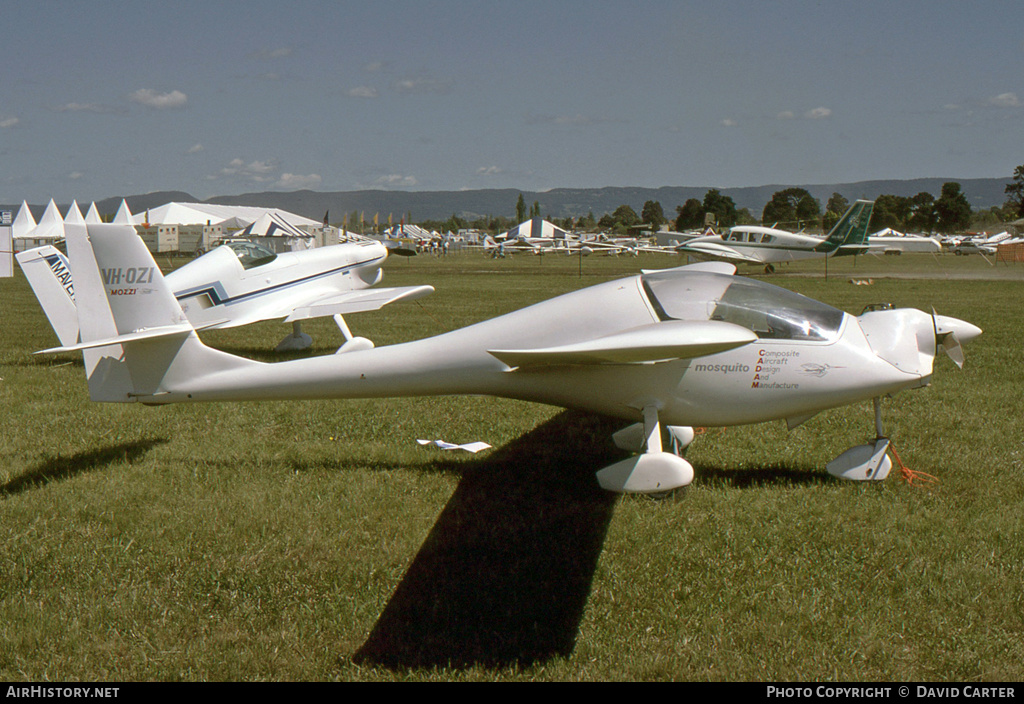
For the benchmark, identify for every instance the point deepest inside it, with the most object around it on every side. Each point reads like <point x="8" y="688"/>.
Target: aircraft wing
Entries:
<point x="670" y="339"/>
<point x="848" y="249"/>
<point x="357" y="301"/>
<point x="716" y="251"/>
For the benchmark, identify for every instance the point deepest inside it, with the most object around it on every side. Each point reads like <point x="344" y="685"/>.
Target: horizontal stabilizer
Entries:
<point x="358" y="301"/>
<point x="671" y="339"/>
<point x="183" y="330"/>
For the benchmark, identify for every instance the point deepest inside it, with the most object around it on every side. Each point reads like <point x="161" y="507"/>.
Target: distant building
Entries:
<point x="173" y="227"/>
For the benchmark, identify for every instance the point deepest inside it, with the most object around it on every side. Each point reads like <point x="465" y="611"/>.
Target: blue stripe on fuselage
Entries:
<point x="220" y="297"/>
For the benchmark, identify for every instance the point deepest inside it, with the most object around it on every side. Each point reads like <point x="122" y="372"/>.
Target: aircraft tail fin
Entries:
<point x="850" y="234"/>
<point x="49" y="274"/>
<point x="132" y="331"/>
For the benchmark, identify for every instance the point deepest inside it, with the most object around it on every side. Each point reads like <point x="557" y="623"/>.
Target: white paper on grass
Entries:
<point x="469" y="447"/>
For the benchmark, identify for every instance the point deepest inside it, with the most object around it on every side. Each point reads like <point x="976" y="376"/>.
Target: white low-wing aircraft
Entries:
<point x="237" y="284"/>
<point x="767" y="246"/>
<point x="684" y="347"/>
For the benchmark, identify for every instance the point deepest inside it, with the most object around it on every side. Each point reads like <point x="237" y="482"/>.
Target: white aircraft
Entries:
<point x="684" y="347"/>
<point x="239" y="283"/>
<point x="889" y="241"/>
<point x="755" y="244"/>
<point x="572" y="245"/>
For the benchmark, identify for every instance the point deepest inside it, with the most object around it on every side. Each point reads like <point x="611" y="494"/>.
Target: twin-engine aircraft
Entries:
<point x="684" y="347"/>
<point x="767" y="246"/>
<point x="238" y="283"/>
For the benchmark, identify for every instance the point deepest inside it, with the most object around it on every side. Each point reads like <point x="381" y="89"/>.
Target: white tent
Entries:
<point x="51" y="225"/>
<point x="24" y="223"/>
<point x="93" y="216"/>
<point x="410" y="231"/>
<point x="74" y="215"/>
<point x="204" y="213"/>
<point x="28" y="233"/>
<point x="272" y="230"/>
<point x="534" y="228"/>
<point x="124" y="215"/>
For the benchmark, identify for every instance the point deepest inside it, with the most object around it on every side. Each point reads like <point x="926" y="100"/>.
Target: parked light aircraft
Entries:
<point x="690" y="346"/>
<point x="767" y="246"/>
<point x="584" y="245"/>
<point x="239" y="283"/>
<point x="889" y="241"/>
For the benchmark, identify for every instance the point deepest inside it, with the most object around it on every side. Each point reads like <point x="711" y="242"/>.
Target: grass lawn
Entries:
<point x="319" y="541"/>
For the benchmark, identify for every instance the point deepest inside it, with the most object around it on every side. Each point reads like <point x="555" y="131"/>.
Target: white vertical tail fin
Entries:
<point x="132" y="332"/>
<point x="49" y="274"/>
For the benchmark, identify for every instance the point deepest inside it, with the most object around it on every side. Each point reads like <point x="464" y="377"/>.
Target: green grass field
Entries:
<point x="319" y="541"/>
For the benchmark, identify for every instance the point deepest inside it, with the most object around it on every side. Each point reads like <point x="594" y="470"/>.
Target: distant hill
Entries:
<point x="558" y="202"/>
<point x="564" y="202"/>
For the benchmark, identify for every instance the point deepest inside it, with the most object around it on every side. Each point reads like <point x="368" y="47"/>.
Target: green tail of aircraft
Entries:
<point x="850" y="234"/>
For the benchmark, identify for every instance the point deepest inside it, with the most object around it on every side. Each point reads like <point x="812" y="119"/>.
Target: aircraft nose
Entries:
<point x="964" y="331"/>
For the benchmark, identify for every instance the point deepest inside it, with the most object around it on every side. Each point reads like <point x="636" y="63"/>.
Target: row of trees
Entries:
<point x="790" y="208"/>
<point x="795" y="208"/>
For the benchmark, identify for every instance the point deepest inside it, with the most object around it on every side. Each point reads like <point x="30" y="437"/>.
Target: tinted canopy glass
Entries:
<point x="251" y="254"/>
<point x="766" y="310"/>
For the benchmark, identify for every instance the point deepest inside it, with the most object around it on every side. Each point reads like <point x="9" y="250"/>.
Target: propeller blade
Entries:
<point x="948" y="334"/>
<point x="951" y="346"/>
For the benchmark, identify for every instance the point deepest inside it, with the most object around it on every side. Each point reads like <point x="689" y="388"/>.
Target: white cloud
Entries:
<point x="254" y="171"/>
<point x="489" y="170"/>
<point x="395" y="181"/>
<point x="818" y="113"/>
<point x="159" y="101"/>
<point x="1005" y="100"/>
<point x="82" y="107"/>
<point x="295" y="182"/>
<point x="195" y="149"/>
<point x="363" y="92"/>
<point x="729" y="122"/>
<point x="9" y="122"/>
<point x="422" y="85"/>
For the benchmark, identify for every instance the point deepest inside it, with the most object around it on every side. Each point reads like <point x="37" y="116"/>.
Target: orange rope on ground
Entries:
<point x="909" y="475"/>
<point x="702" y="429"/>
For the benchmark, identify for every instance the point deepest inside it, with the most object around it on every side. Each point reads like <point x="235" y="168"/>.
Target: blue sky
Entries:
<point x="102" y="99"/>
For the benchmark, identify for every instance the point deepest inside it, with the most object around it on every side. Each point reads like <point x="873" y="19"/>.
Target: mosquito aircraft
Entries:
<point x="684" y="347"/>
<point x="239" y="283"/>
<point x="767" y="246"/>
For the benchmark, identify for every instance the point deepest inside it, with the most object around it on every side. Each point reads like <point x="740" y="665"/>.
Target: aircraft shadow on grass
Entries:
<point x="60" y="467"/>
<point x="768" y="475"/>
<point x="504" y="575"/>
